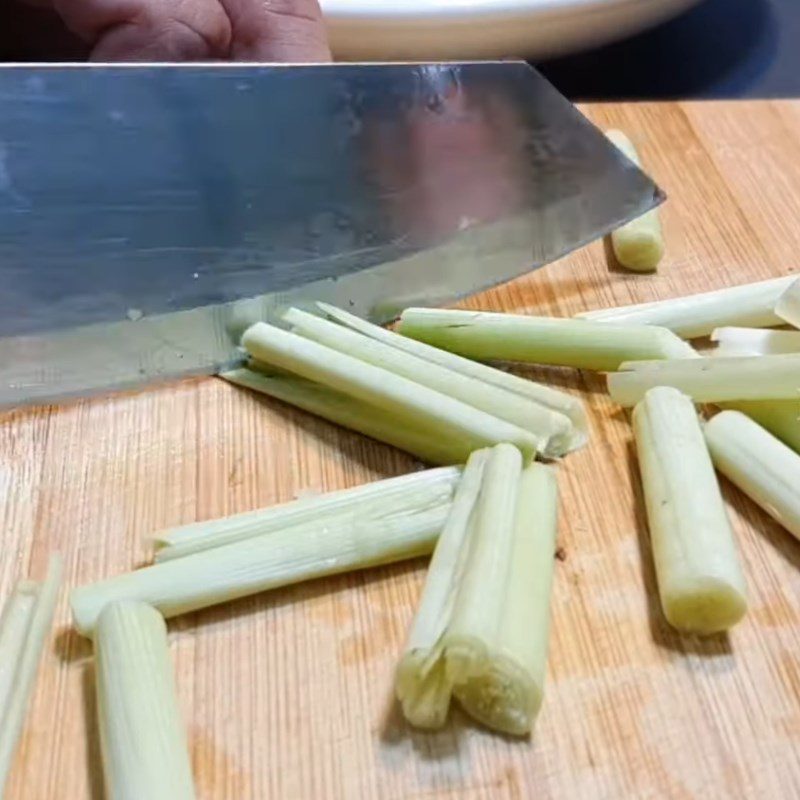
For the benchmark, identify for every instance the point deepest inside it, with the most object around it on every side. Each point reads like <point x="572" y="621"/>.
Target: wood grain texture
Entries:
<point x="289" y="694"/>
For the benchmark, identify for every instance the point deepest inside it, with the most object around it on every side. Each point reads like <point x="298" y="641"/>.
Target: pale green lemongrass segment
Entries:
<point x="639" y="244"/>
<point x="14" y="628"/>
<point x="540" y="340"/>
<point x="481" y="630"/>
<point x="754" y="342"/>
<point x="402" y="495"/>
<point x="422" y="683"/>
<point x="711" y="380"/>
<point x="142" y="736"/>
<point x="764" y="468"/>
<point x="40" y="620"/>
<point x="427" y="444"/>
<point x="700" y="580"/>
<point x="751" y="305"/>
<point x="408" y="401"/>
<point x="787" y="306"/>
<point x="259" y="563"/>
<point x="508" y="694"/>
<point x="780" y="417"/>
<point x="555" y="400"/>
<point x="551" y="429"/>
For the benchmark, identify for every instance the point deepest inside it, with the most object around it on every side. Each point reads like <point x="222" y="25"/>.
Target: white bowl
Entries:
<point x="390" y="30"/>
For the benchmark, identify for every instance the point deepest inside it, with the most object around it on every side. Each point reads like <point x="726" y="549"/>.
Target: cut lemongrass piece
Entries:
<point x="261" y="562"/>
<point x="403" y="495"/>
<point x="700" y="580"/>
<point x="788" y="304"/>
<point x="553" y="399"/>
<point x="751" y="305"/>
<point x="145" y="752"/>
<point x="540" y="340"/>
<point x="427" y="444"/>
<point x="14" y="629"/>
<point x="481" y="630"/>
<point x="780" y="417"/>
<point x="733" y="342"/>
<point x="638" y="245"/>
<point x="407" y="400"/>
<point x="765" y="469"/>
<point x="711" y="380"/>
<point x="508" y="693"/>
<point x="550" y="428"/>
<point x="40" y="619"/>
<point x="423" y="687"/>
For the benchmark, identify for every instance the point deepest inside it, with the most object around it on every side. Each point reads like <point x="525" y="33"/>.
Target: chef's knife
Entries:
<point x="148" y="213"/>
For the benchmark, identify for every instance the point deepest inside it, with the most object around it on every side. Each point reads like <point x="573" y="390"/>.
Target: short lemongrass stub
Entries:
<point x="788" y="305"/>
<point x="639" y="244"/>
<point x="700" y="581"/>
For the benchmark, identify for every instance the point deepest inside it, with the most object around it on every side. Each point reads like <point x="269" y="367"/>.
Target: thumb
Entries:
<point x="277" y="30"/>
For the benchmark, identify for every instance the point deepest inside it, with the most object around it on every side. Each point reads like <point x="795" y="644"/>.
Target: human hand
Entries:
<point x="197" y="30"/>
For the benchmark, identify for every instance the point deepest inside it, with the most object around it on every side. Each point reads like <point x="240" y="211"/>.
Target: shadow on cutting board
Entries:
<point x="664" y="635"/>
<point x="94" y="763"/>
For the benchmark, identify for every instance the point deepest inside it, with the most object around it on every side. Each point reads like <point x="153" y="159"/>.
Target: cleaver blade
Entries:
<point x="148" y="213"/>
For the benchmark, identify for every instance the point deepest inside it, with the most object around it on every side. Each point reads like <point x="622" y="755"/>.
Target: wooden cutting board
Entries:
<point x="289" y="694"/>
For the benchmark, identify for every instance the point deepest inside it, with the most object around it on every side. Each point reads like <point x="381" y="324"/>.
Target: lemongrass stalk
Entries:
<point x="780" y="417"/>
<point x="638" y="245"/>
<point x="700" y="580"/>
<point x="711" y="380"/>
<point x="481" y="630"/>
<point x="145" y="752"/>
<point x="260" y="563"/>
<point x="403" y="495"/>
<point x="540" y="340"/>
<point x="788" y="304"/>
<point x="400" y="396"/>
<point x="422" y="684"/>
<point x="507" y="693"/>
<point x="550" y="428"/>
<point x="40" y="622"/>
<point x="427" y="444"/>
<point x="764" y="468"/>
<point x="13" y="633"/>
<point x="543" y="395"/>
<point x="751" y="305"/>
<point x="733" y="342"/>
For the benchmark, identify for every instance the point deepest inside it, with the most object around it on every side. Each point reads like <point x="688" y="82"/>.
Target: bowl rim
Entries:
<point x="468" y="9"/>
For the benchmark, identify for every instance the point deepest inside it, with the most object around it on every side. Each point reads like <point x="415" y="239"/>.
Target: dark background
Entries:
<point x="721" y="48"/>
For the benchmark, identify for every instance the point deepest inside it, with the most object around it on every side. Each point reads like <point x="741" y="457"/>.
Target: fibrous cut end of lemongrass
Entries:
<point x="542" y="395"/>
<point x="258" y="563"/>
<point x="411" y="403"/>
<point x="540" y="340"/>
<point x="751" y="305"/>
<point x="145" y="752"/>
<point x="754" y="342"/>
<point x="481" y="630"/>
<point x="764" y="468"/>
<point x="550" y="428"/>
<point x="788" y="304"/>
<point x="700" y="580"/>
<point x="711" y="380"/>
<point x="401" y="496"/>
<point x="639" y="244"/>
<point x="26" y="622"/>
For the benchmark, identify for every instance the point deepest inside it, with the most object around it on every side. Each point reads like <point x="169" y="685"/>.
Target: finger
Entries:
<point x="149" y="30"/>
<point x="277" y="30"/>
